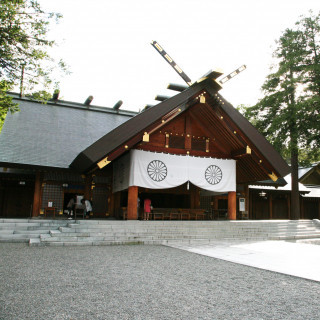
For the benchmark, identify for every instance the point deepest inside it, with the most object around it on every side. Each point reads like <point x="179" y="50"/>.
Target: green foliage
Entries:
<point x="288" y="115"/>
<point x="24" y="59"/>
<point x="6" y="103"/>
<point x="23" y="41"/>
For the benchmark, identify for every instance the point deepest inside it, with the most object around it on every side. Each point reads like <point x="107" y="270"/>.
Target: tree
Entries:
<point x="288" y="115"/>
<point x="24" y="59"/>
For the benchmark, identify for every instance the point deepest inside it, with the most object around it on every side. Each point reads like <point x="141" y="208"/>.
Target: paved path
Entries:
<point x="296" y="259"/>
<point x="144" y="283"/>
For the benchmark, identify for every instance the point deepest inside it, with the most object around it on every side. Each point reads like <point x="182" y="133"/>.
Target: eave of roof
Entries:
<point x="88" y="158"/>
<point x="75" y="105"/>
<point x="51" y="135"/>
<point x="311" y="176"/>
<point x="260" y="142"/>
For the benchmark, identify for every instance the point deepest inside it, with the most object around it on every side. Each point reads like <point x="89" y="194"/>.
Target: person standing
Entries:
<point x="87" y="208"/>
<point x="146" y="209"/>
<point x="71" y="206"/>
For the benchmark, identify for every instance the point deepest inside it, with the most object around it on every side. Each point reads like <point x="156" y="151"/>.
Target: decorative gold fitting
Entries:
<point x="248" y="150"/>
<point x="221" y="117"/>
<point x="145" y="137"/>
<point x="273" y="176"/>
<point x="167" y="135"/>
<point x="126" y="147"/>
<point x="103" y="163"/>
<point x="202" y="99"/>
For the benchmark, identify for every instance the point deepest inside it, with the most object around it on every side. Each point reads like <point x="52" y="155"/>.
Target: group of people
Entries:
<point x="71" y="207"/>
<point x="87" y="207"/>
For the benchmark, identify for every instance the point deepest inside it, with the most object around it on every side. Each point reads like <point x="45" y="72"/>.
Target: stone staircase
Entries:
<point x="112" y="232"/>
<point x="25" y="230"/>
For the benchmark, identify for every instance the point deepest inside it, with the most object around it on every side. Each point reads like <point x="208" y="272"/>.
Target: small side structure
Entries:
<point x="38" y="143"/>
<point x="269" y="202"/>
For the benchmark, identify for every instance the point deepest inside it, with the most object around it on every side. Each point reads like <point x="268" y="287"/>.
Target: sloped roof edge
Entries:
<point x="127" y="130"/>
<point x="88" y="158"/>
<point x="260" y="142"/>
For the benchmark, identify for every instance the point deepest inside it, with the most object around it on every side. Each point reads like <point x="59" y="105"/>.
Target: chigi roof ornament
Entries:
<point x="213" y="74"/>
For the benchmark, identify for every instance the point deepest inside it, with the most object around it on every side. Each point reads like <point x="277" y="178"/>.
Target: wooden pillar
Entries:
<point x="37" y="195"/>
<point x="251" y="213"/>
<point x="132" y="209"/>
<point x="302" y="208"/>
<point x="115" y="204"/>
<point x="232" y="205"/>
<point x="196" y="194"/>
<point x="289" y="205"/>
<point x="270" y="205"/>
<point x="87" y="187"/>
<point x="247" y="197"/>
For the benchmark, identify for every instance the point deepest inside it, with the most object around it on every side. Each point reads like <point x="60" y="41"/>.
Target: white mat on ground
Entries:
<point x="296" y="259"/>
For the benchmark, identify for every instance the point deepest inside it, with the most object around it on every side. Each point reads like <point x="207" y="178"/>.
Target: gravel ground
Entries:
<point x="144" y="282"/>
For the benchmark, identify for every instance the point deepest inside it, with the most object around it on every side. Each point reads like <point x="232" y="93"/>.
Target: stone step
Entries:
<point x="17" y="237"/>
<point x="93" y="232"/>
<point x="185" y="231"/>
<point x="79" y="232"/>
<point x="172" y="226"/>
<point x="38" y="232"/>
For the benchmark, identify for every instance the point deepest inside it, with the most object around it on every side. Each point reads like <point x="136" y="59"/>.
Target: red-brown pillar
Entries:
<point x="37" y="195"/>
<point x="270" y="206"/>
<point x="115" y="204"/>
<point x="232" y="205"/>
<point x="132" y="203"/>
<point x="87" y="187"/>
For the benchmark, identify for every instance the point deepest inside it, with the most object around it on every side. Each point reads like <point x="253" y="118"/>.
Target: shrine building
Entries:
<point x="193" y="155"/>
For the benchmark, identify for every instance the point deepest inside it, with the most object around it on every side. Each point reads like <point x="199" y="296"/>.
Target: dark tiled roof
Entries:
<point x="89" y="156"/>
<point x="54" y="134"/>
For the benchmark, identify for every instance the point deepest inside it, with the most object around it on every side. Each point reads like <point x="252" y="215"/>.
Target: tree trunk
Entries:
<point x="295" y="207"/>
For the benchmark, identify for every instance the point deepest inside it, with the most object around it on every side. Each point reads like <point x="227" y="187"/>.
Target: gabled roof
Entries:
<point x="53" y="134"/>
<point x="239" y="131"/>
<point x="310" y="176"/>
<point x="305" y="191"/>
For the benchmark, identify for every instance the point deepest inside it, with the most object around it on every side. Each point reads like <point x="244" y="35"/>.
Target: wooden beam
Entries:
<point x="87" y="187"/>
<point x="132" y="210"/>
<point x="37" y="194"/>
<point x="232" y="205"/>
<point x="208" y="130"/>
<point x="188" y="132"/>
<point x="239" y="153"/>
<point x="270" y="206"/>
<point x="196" y="153"/>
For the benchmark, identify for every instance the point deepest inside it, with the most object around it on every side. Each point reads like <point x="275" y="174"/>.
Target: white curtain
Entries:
<point x="163" y="171"/>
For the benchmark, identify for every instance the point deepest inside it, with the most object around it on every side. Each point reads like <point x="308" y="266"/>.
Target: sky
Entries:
<point x="106" y="44"/>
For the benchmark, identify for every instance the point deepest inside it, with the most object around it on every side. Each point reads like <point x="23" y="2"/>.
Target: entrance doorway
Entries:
<point x="16" y="199"/>
<point x="68" y="196"/>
